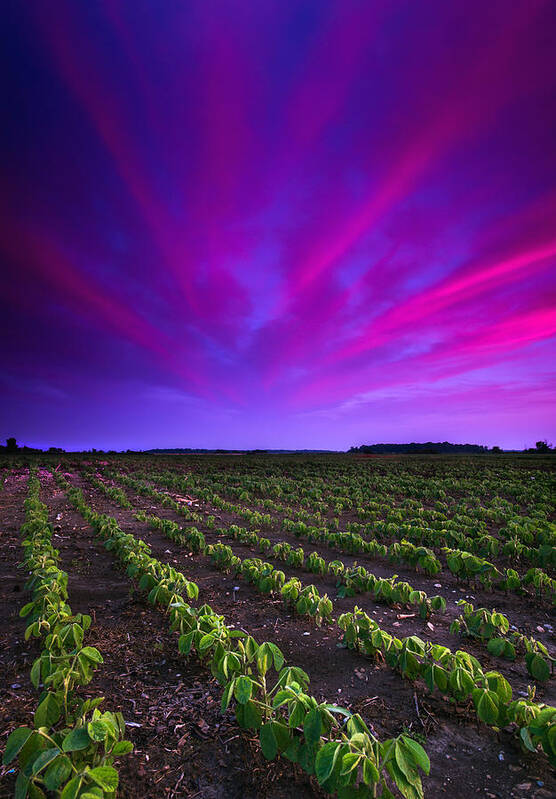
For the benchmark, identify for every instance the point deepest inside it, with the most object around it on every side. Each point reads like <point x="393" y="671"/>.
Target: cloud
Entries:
<point x="272" y="214"/>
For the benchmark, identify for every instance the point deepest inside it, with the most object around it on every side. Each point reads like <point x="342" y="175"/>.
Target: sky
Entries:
<point x="278" y="224"/>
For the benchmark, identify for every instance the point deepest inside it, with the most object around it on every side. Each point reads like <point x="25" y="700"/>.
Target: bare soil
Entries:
<point x="184" y="746"/>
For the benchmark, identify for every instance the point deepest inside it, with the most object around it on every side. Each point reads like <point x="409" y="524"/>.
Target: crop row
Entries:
<point x="490" y="628"/>
<point x="523" y="538"/>
<point x="404" y="552"/>
<point x="493" y="629"/>
<point x="462" y="524"/>
<point x="352" y="580"/>
<point x="462" y="564"/>
<point x="357" y="483"/>
<point x="458" y="674"/>
<point x="71" y="747"/>
<point x="269" y="696"/>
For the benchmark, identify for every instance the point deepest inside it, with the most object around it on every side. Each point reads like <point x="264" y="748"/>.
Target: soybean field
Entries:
<point x="278" y="626"/>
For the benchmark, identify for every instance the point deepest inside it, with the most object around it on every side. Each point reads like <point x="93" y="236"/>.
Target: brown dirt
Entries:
<point x="527" y="613"/>
<point x="184" y="746"/>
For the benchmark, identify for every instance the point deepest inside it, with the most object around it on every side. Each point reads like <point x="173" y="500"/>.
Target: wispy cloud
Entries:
<point x="274" y="215"/>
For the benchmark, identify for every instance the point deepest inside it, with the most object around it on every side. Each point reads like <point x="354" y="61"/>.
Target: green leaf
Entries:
<point x="297" y="714"/>
<point x="21" y="786"/>
<point x="525" y="736"/>
<point x="92" y="654"/>
<point x="248" y="716"/>
<point x="342" y="711"/>
<point x="91" y="704"/>
<point x="406" y="788"/>
<point x="496" y="646"/>
<point x="281" y="698"/>
<point x="497" y="683"/>
<point x="540" y="721"/>
<point x="44" y="759"/>
<point x="77" y="739"/>
<point x="404" y="764"/>
<point x="277" y="655"/>
<point x="35" y="792"/>
<point x="306" y="757"/>
<point x="205" y="642"/>
<point x="97" y="730"/>
<point x="253" y="717"/>
<point x="71" y="789"/>
<point x="122" y="748"/>
<point x="551" y="738"/>
<point x="15" y="743"/>
<point x="264" y="659"/>
<point x="57" y="773"/>
<point x="243" y="689"/>
<point x="486" y="704"/>
<point x="268" y="741"/>
<point x="302" y="606"/>
<point x="283" y="735"/>
<point x="418" y="754"/>
<point x="350" y="761"/>
<point x="440" y="677"/>
<point x="326" y="760"/>
<point x="78" y="634"/>
<point x="356" y="725"/>
<point x="48" y="712"/>
<point x="227" y="696"/>
<point x="26" y="609"/>
<point x="538" y="667"/>
<point x="292" y="752"/>
<point x="35" y="744"/>
<point x="360" y="792"/>
<point x="460" y="681"/>
<point x="105" y="776"/>
<point x="370" y="772"/>
<point x="312" y="726"/>
<point x="36" y="673"/>
<point x="185" y="641"/>
<point x="229" y="663"/>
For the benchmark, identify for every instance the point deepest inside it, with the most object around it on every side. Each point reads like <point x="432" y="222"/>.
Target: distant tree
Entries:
<point x="496" y="449"/>
<point x="11" y="445"/>
<point x="542" y="446"/>
<point x="426" y="448"/>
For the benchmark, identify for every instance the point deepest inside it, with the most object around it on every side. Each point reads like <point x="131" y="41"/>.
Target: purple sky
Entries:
<point x="278" y="224"/>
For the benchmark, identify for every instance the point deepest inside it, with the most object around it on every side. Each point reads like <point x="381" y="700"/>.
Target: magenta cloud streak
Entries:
<point x="280" y="224"/>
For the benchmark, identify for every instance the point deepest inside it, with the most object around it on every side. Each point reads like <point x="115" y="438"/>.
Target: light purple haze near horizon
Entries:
<point x="279" y="224"/>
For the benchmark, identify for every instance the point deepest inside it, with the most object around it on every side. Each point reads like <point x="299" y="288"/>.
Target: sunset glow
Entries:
<point x="276" y="224"/>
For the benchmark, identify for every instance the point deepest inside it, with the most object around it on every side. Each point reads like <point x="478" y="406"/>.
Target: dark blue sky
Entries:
<point x="278" y="224"/>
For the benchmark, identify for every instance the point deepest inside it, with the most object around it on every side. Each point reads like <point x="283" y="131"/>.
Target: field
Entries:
<point x="367" y="615"/>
